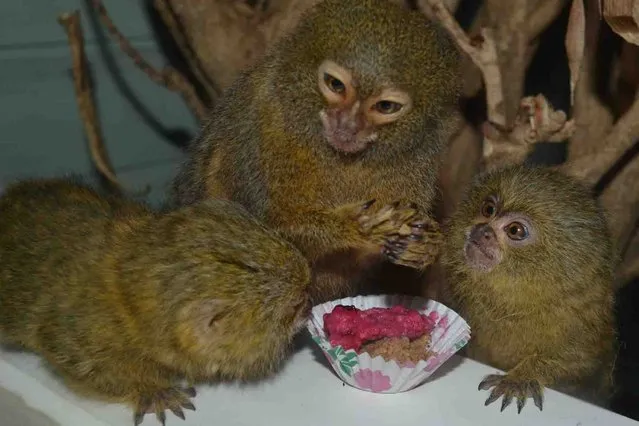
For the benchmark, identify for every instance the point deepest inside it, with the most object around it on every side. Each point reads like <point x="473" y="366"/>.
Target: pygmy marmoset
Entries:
<point x="530" y="262"/>
<point x="355" y="103"/>
<point x="125" y="302"/>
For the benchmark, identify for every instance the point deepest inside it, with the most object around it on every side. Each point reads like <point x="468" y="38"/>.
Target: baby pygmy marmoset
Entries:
<point x="531" y="264"/>
<point x="355" y="103"/>
<point x="125" y="303"/>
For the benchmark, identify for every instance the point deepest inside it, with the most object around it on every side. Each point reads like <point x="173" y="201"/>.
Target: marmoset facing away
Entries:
<point x="126" y="303"/>
<point x="531" y="267"/>
<point x="355" y="103"/>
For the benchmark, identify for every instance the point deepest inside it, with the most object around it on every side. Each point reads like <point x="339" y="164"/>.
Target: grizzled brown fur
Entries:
<point x="264" y="145"/>
<point x="124" y="302"/>
<point x="543" y="311"/>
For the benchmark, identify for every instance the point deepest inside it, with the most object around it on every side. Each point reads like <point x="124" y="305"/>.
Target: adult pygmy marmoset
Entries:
<point x="355" y="103"/>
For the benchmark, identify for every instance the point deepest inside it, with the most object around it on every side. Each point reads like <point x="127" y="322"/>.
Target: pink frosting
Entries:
<point x="349" y="327"/>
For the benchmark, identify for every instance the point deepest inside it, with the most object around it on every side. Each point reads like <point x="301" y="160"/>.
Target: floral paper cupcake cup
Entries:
<point x="449" y="335"/>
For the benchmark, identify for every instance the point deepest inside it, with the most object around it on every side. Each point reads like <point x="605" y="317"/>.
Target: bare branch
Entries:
<point x="507" y="142"/>
<point x="542" y="16"/>
<point x="592" y="117"/>
<point x="483" y="52"/>
<point x="623" y="135"/>
<point x="168" y="77"/>
<point x="536" y="121"/>
<point x="627" y="271"/>
<point x="575" y="44"/>
<point x="629" y="267"/>
<point x="507" y="21"/>
<point x="425" y="8"/>
<point x="72" y="26"/>
<point x="168" y="16"/>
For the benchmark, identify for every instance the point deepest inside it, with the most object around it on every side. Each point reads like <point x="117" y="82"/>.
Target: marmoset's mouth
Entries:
<point x="346" y="134"/>
<point x="483" y="250"/>
<point x="479" y="257"/>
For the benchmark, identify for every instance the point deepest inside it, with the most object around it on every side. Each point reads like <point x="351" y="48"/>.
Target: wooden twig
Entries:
<point x="627" y="271"/>
<point x="425" y="7"/>
<point x="593" y="118"/>
<point x="623" y="135"/>
<point x="168" y="17"/>
<point x="542" y="16"/>
<point x="483" y="52"/>
<point x="168" y="77"/>
<point x="73" y="28"/>
<point x="508" y="21"/>
<point x="535" y="119"/>
<point x="575" y="44"/>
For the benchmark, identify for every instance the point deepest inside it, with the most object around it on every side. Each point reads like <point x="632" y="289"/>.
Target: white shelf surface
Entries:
<point x="307" y="392"/>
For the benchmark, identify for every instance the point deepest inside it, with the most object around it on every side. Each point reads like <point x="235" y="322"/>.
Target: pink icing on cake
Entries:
<point x="349" y="327"/>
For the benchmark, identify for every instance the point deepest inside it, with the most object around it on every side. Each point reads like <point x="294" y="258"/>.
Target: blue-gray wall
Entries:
<point x="40" y="130"/>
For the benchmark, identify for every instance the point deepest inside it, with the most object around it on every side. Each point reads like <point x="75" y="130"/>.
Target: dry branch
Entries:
<point x="84" y="97"/>
<point x="168" y="77"/>
<point x="575" y="44"/>
<point x="536" y="121"/>
<point x="507" y="21"/>
<point x="464" y="155"/>
<point x="226" y="36"/>
<point x="483" y="52"/>
<point x="425" y="7"/>
<point x="593" y="118"/>
<point x="167" y="15"/>
<point x="506" y="140"/>
<point x="592" y="164"/>
<point x="542" y="16"/>
<point x="623" y="135"/>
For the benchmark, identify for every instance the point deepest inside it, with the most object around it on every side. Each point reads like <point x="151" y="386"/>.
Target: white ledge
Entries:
<point x="307" y="393"/>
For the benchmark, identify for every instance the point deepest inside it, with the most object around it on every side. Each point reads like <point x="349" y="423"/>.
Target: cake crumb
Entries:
<point x="400" y="349"/>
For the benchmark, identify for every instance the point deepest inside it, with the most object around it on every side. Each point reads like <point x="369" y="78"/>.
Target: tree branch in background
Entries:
<point x="84" y="97"/>
<point x="168" y="77"/>
<point x="593" y="118"/>
<point x="575" y="44"/>
<point x="542" y="16"/>
<point x="623" y="18"/>
<point x="168" y="17"/>
<point x="619" y="138"/>
<point x="483" y="52"/>
<point x="623" y="135"/>
<point x="534" y="120"/>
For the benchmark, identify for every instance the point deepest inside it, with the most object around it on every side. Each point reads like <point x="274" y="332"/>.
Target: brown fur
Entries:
<point x="124" y="302"/>
<point x="545" y="313"/>
<point x="264" y="147"/>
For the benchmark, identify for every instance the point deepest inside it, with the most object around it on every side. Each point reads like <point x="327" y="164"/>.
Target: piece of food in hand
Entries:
<point x="350" y="328"/>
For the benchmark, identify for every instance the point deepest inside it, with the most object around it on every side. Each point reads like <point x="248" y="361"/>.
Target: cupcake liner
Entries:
<point x="450" y="334"/>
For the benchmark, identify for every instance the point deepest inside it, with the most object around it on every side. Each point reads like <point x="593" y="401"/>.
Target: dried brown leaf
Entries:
<point x="623" y="18"/>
